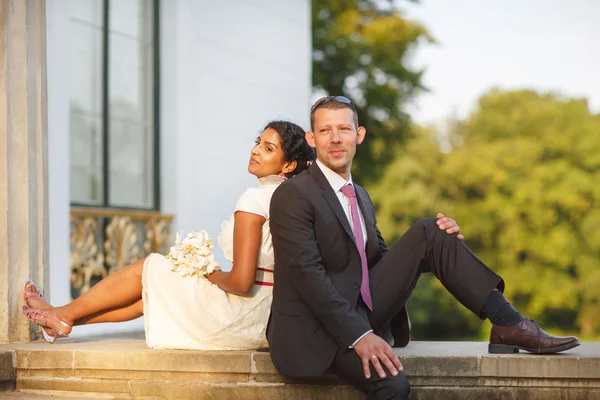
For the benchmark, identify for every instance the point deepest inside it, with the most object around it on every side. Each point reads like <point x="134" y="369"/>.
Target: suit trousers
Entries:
<point x="423" y="248"/>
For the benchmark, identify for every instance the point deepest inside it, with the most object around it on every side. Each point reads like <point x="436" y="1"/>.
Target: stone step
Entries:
<point x="126" y="368"/>
<point x="20" y="395"/>
<point x="7" y="369"/>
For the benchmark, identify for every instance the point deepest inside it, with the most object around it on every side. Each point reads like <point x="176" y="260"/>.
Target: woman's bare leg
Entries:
<point x="126" y="313"/>
<point x="115" y="292"/>
<point x="131" y="311"/>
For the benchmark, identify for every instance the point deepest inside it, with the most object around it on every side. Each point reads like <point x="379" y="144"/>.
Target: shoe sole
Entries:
<point x="511" y="349"/>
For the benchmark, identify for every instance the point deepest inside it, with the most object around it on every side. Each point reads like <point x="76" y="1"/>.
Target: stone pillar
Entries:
<point x="23" y="160"/>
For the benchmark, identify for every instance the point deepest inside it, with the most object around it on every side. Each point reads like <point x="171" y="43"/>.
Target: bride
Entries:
<point x="222" y="311"/>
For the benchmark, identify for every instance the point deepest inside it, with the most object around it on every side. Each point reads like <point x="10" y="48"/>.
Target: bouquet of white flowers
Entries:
<point x="193" y="255"/>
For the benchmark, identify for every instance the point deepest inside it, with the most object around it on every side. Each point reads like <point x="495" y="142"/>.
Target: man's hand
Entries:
<point x="449" y="225"/>
<point x="373" y="349"/>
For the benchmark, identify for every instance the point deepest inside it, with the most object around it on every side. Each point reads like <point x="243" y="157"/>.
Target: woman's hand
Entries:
<point x="213" y="276"/>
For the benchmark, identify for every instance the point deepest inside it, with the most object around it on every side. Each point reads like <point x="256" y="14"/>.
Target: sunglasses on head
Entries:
<point x="329" y="99"/>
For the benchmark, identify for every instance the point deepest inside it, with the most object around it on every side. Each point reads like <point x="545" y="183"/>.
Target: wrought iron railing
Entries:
<point x="104" y="240"/>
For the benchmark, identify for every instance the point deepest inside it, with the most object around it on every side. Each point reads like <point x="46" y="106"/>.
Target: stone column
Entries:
<point x="23" y="160"/>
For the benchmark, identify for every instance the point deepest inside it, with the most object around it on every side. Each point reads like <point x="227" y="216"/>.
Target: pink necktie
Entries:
<point x="349" y="191"/>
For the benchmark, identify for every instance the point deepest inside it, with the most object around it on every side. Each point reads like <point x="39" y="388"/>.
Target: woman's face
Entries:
<point x="266" y="157"/>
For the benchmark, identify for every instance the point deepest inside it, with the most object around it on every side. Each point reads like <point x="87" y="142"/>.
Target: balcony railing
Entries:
<point x="104" y="240"/>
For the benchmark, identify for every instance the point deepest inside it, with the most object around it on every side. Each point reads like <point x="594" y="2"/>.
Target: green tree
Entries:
<point x="360" y="50"/>
<point x="522" y="181"/>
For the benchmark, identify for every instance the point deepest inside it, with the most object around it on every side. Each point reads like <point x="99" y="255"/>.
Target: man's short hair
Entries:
<point x="333" y="103"/>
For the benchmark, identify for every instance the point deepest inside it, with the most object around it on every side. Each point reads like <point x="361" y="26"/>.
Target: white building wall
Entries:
<point x="238" y="64"/>
<point x="57" y="39"/>
<point x="227" y="68"/>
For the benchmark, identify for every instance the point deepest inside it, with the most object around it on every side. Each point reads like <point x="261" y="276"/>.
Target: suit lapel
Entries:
<point x="330" y="197"/>
<point x="372" y="242"/>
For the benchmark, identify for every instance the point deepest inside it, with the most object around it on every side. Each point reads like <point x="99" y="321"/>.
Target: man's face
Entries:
<point x="335" y="137"/>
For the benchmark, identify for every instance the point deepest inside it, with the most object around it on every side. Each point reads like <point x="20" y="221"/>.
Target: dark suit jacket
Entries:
<point x="317" y="275"/>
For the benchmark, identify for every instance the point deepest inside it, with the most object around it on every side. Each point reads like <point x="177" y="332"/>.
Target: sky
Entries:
<point x="547" y="45"/>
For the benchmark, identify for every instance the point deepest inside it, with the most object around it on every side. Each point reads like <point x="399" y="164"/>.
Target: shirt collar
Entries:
<point x="335" y="181"/>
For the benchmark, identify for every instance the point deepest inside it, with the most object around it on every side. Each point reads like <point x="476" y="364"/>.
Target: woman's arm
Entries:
<point x="247" y="238"/>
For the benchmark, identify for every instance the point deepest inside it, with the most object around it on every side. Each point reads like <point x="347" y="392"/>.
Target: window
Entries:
<point x="113" y="68"/>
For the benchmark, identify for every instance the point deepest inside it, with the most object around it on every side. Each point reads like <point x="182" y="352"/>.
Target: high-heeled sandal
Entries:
<point x="27" y="295"/>
<point x="44" y="319"/>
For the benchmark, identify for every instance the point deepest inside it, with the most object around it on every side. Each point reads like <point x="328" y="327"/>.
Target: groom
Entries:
<point x="339" y="292"/>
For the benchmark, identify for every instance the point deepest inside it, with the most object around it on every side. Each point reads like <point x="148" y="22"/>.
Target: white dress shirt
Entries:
<point x="337" y="182"/>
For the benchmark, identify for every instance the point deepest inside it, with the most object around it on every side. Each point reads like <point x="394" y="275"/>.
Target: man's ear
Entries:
<point x="310" y="139"/>
<point x="289" y="167"/>
<point x="361" y="132"/>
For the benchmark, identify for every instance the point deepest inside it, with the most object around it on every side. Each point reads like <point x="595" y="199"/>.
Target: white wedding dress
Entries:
<point x="192" y="313"/>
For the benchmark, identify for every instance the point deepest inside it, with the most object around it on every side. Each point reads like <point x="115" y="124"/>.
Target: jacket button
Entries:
<point x="356" y="285"/>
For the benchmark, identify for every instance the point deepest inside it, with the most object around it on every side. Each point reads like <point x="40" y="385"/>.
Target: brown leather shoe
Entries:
<point x="528" y="336"/>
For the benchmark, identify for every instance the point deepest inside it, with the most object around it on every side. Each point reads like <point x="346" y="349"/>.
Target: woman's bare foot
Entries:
<point x="39" y="303"/>
<point x="36" y="300"/>
<point x="62" y="315"/>
<point x="33" y="298"/>
<point x="48" y="319"/>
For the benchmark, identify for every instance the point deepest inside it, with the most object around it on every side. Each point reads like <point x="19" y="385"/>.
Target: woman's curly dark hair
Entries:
<point x="295" y="147"/>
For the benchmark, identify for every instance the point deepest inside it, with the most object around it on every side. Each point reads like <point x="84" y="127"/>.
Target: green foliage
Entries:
<point x="360" y="50"/>
<point x="522" y="183"/>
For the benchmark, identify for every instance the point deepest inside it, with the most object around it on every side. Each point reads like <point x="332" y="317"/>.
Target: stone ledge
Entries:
<point x="7" y="369"/>
<point x="126" y="368"/>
